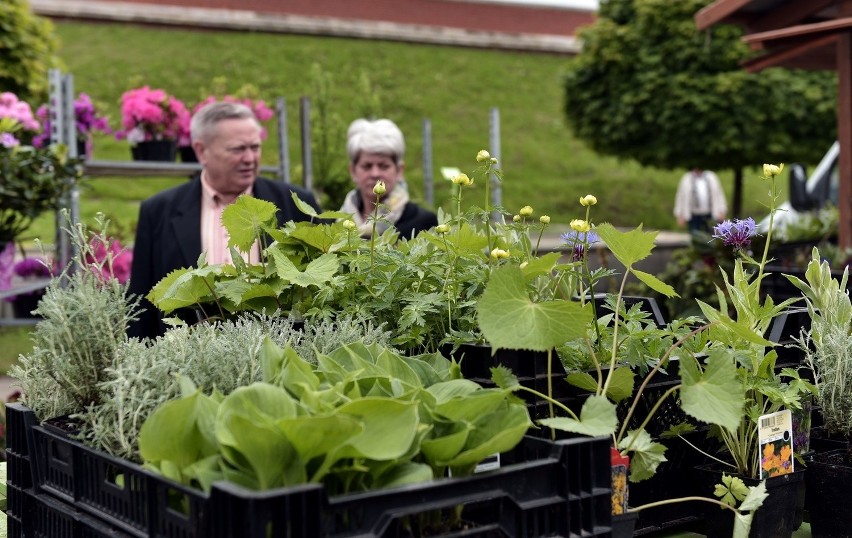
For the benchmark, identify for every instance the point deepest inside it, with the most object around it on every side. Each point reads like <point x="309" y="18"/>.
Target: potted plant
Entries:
<point x="827" y="346"/>
<point x="88" y="120"/>
<point x="27" y="270"/>
<point x="151" y="121"/>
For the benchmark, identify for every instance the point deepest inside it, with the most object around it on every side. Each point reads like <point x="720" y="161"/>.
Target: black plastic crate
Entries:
<point x="476" y="361"/>
<point x="45" y="517"/>
<point x="542" y="488"/>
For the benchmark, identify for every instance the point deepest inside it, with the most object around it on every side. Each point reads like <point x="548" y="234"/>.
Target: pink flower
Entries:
<point x="20" y="111"/>
<point x="112" y="262"/>
<point x="148" y="114"/>
<point x="87" y="120"/>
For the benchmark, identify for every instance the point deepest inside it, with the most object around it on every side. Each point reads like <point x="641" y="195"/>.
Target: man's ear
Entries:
<point x="198" y="146"/>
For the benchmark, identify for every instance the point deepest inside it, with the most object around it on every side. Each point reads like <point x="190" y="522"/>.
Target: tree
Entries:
<point x="27" y="51"/>
<point x="649" y="86"/>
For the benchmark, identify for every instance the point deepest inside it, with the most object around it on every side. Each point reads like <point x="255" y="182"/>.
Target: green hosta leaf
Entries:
<point x="317" y="273"/>
<point x="390" y="426"/>
<point x="468" y="407"/>
<point x="405" y="474"/>
<point x="510" y="320"/>
<point x="180" y="431"/>
<point x="628" y="247"/>
<point x="447" y="390"/>
<point x="655" y="283"/>
<point x="314" y="436"/>
<point x="715" y="395"/>
<point x="246" y="219"/>
<point x="453" y="437"/>
<point x="597" y="417"/>
<point x="495" y="432"/>
<point x="620" y="387"/>
<point x="645" y="454"/>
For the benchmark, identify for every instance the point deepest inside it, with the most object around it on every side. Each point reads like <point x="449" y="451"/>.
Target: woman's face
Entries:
<point x="371" y="168"/>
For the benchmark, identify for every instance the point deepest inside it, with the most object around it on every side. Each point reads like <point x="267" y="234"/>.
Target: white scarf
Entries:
<point x="390" y="209"/>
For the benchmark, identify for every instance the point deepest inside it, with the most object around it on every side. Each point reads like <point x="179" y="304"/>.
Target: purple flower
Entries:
<point x="577" y="241"/>
<point x="8" y="140"/>
<point x="32" y="267"/>
<point x="737" y="233"/>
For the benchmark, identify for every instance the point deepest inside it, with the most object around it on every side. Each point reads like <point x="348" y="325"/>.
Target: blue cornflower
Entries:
<point x="737" y="233"/>
<point x="577" y="241"/>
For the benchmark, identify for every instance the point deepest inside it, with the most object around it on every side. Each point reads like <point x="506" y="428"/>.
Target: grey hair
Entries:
<point x="204" y="122"/>
<point x="375" y="136"/>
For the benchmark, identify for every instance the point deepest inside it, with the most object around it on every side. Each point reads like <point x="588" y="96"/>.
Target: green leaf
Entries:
<point x="390" y="427"/>
<point x="620" y="387"/>
<point x="628" y="247"/>
<point x="317" y="273"/>
<point x="645" y="454"/>
<point x="756" y="495"/>
<point x="597" y="417"/>
<point x="714" y="395"/>
<point x="655" y="283"/>
<point x="510" y="320"/>
<point x="179" y="431"/>
<point x="302" y="206"/>
<point x="179" y="289"/>
<point x="504" y="378"/>
<point x="494" y="433"/>
<point x="246" y="219"/>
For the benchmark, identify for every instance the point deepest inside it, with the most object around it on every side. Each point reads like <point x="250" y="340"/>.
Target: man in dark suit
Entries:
<point x="177" y="225"/>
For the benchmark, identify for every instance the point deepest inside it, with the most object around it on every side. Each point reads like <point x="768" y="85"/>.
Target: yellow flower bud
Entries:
<point x="524" y="264"/>
<point x="462" y="179"/>
<point x="498" y="253"/>
<point x="588" y="200"/>
<point x="772" y="170"/>
<point x="544" y="219"/>
<point x="493" y="160"/>
<point x="349" y="225"/>
<point x="516" y="218"/>
<point x="442" y="228"/>
<point x="526" y="211"/>
<point x="482" y="156"/>
<point x="579" y="225"/>
<point x="379" y="189"/>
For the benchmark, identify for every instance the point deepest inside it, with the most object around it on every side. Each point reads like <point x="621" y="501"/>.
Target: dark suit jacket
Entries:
<point x="168" y="237"/>
<point x="414" y="219"/>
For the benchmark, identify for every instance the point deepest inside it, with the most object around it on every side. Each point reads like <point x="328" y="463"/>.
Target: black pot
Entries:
<point x="23" y="305"/>
<point x="624" y="524"/>
<point x="827" y="484"/>
<point x="187" y="154"/>
<point x="774" y="519"/>
<point x="155" y="150"/>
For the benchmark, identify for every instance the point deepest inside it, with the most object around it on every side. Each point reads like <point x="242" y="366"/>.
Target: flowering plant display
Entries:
<point x="246" y="95"/>
<point x="151" y="114"/>
<point x="17" y="123"/>
<point x="88" y="120"/>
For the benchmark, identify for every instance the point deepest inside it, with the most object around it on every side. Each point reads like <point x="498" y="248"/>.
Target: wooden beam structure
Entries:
<point x="809" y="34"/>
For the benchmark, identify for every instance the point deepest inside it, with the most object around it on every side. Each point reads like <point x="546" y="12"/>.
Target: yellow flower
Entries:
<point x="516" y="218"/>
<point x="493" y="160"/>
<point x="498" y="253"/>
<point x="524" y="264"/>
<point x="544" y="219"/>
<point x="579" y="225"/>
<point x="482" y="156"/>
<point x="588" y="200"/>
<point x="349" y="225"/>
<point x="442" y="228"/>
<point x="526" y="211"/>
<point x="462" y="179"/>
<point x="380" y="188"/>
<point x="772" y="170"/>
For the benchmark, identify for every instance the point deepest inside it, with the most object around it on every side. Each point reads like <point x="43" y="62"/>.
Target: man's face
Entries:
<point x="231" y="157"/>
<point x="371" y="168"/>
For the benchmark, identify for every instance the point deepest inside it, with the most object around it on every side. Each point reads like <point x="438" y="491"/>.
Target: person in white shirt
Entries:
<point x="699" y="200"/>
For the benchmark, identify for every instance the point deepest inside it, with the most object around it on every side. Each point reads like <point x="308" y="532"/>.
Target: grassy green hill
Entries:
<point x="545" y="166"/>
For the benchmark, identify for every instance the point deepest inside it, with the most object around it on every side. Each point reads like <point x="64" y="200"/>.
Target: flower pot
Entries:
<point x="826" y="485"/>
<point x="155" y="150"/>
<point x="624" y="524"/>
<point x="23" y="305"/>
<point x="774" y="519"/>
<point x="187" y="154"/>
<point x="619" y="467"/>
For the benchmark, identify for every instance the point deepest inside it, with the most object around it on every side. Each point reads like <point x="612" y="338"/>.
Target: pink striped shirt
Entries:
<point x="214" y="237"/>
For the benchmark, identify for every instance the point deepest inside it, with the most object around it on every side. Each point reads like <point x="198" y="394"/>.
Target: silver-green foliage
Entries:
<point x="221" y="356"/>
<point x="85" y="319"/>
<point x="828" y="344"/>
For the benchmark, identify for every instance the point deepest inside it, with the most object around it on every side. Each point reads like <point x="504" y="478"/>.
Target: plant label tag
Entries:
<point x="775" y="436"/>
<point x="490" y="463"/>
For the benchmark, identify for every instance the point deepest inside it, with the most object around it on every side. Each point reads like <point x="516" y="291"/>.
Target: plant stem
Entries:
<point x="551" y="400"/>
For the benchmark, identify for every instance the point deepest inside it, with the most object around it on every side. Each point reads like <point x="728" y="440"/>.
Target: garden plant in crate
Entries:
<point x="361" y="397"/>
<point x="827" y="347"/>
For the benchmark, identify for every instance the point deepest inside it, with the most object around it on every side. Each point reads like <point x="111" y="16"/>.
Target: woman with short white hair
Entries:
<point x="376" y="150"/>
